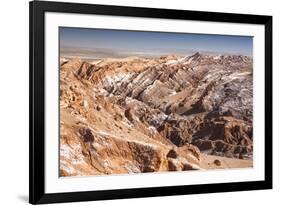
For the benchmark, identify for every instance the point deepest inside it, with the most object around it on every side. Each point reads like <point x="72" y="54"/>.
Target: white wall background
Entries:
<point x="14" y="100"/>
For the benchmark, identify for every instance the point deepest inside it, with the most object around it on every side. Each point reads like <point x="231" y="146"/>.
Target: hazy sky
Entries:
<point x="149" y="42"/>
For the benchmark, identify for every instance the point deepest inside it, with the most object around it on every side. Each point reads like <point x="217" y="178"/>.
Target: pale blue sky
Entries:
<point x="161" y="42"/>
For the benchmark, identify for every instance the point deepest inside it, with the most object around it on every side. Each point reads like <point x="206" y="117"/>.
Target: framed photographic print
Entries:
<point x="140" y="102"/>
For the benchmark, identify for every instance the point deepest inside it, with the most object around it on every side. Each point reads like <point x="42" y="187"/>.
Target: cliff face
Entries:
<point x="137" y="115"/>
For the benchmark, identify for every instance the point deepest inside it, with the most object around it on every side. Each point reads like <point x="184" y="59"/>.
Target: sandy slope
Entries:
<point x="208" y="162"/>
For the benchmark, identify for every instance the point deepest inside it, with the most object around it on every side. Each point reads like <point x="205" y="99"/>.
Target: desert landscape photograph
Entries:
<point x="136" y="102"/>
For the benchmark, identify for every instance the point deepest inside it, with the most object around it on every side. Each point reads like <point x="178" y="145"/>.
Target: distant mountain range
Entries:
<point x="99" y="53"/>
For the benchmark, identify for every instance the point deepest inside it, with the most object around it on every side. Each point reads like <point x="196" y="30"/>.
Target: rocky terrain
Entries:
<point x="172" y="113"/>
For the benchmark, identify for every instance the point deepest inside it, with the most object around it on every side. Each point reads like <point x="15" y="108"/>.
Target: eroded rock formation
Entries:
<point x="137" y="115"/>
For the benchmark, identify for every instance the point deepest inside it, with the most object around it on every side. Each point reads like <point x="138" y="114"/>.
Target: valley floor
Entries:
<point x="209" y="162"/>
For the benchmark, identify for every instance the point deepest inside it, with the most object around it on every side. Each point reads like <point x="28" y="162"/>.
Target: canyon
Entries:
<point x="172" y="113"/>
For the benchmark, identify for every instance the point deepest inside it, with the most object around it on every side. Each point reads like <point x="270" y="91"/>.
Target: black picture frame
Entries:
<point x="37" y="9"/>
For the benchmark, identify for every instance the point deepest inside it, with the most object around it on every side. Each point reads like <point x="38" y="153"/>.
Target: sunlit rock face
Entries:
<point x="172" y="113"/>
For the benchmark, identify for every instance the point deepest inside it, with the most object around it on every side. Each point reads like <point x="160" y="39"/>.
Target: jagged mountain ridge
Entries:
<point x="144" y="115"/>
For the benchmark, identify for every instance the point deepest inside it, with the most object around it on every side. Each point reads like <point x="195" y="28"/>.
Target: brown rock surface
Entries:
<point x="136" y="115"/>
